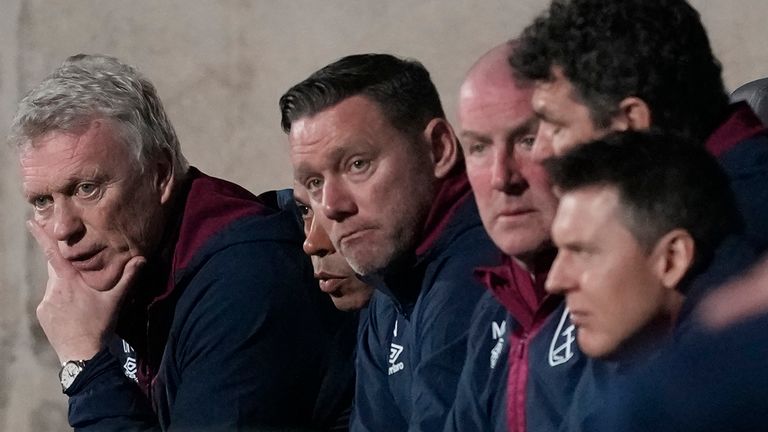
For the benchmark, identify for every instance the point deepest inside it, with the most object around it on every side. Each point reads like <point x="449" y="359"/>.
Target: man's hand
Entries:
<point x="738" y="300"/>
<point x="76" y="318"/>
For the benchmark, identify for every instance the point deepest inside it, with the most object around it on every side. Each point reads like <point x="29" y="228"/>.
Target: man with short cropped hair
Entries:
<point x="640" y="215"/>
<point x="602" y="65"/>
<point x="175" y="300"/>
<point x="370" y="144"/>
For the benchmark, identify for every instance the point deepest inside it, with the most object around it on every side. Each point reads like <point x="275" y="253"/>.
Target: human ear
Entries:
<point x="634" y="114"/>
<point x="443" y="144"/>
<point x="165" y="177"/>
<point x="673" y="255"/>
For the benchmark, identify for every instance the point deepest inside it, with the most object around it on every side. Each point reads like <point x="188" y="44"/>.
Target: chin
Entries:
<point x="593" y="349"/>
<point x="105" y="278"/>
<point x="350" y="303"/>
<point x="369" y="260"/>
<point x="100" y="280"/>
<point x="519" y="245"/>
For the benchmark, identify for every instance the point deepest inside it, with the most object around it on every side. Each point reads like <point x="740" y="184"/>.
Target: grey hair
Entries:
<point x="88" y="87"/>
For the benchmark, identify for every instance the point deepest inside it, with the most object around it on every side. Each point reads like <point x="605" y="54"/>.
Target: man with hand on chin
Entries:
<point x="175" y="300"/>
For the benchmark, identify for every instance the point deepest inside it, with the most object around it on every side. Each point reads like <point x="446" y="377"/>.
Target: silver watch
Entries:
<point x="69" y="371"/>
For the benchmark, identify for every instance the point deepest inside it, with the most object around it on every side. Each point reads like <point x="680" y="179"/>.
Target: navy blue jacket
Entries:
<point x="580" y="399"/>
<point x="710" y="382"/>
<point x="706" y="380"/>
<point x="411" y="353"/>
<point x="229" y="328"/>
<point x="480" y="403"/>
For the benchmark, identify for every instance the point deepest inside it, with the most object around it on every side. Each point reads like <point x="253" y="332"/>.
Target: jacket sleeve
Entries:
<point x="443" y="325"/>
<point x="103" y="399"/>
<point x="374" y="408"/>
<point x="245" y="350"/>
<point x="480" y="395"/>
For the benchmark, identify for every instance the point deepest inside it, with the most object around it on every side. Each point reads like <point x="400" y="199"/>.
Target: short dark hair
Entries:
<point x="402" y="88"/>
<point x="655" y="50"/>
<point x="664" y="183"/>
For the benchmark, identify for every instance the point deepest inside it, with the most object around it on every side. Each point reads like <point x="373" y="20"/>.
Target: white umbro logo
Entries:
<point x="561" y="348"/>
<point x="394" y="354"/>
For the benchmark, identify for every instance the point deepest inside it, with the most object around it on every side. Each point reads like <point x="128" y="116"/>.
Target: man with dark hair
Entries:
<point x="639" y="215"/>
<point x="370" y="144"/>
<point x="175" y="300"/>
<point x="602" y="65"/>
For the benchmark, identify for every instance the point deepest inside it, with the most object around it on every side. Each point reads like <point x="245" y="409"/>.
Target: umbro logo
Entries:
<point x="394" y="354"/>
<point x="561" y="349"/>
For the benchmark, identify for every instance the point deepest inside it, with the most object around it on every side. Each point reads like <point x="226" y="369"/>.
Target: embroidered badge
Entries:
<point x="561" y="348"/>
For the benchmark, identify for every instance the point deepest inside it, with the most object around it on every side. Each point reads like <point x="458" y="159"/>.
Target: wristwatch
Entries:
<point x="69" y="371"/>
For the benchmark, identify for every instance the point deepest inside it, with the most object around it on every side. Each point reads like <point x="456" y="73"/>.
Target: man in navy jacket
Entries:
<point x="600" y="66"/>
<point x="516" y="205"/>
<point x="175" y="300"/>
<point x="370" y="144"/>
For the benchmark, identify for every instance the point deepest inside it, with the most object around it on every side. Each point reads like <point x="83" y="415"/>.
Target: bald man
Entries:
<point x="517" y="206"/>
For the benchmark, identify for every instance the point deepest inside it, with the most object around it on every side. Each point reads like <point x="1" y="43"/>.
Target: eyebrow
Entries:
<point x="515" y="131"/>
<point x="474" y="135"/>
<point x="305" y="168"/>
<point x="67" y="185"/>
<point x="525" y="126"/>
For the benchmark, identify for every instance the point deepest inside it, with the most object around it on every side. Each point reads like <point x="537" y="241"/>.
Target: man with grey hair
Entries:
<point x="174" y="300"/>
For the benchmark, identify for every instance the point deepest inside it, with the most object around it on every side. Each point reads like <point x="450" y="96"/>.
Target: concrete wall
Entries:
<point x="220" y="67"/>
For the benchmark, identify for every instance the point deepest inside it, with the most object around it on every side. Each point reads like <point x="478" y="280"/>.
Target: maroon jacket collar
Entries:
<point x="741" y="124"/>
<point x="204" y="206"/>
<point x="520" y="292"/>
<point x="451" y="194"/>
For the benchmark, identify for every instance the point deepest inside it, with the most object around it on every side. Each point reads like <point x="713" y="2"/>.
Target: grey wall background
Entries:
<point x="220" y="66"/>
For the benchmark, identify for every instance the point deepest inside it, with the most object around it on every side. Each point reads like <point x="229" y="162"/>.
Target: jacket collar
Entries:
<point x="740" y="124"/>
<point x="521" y="292"/>
<point x="452" y="210"/>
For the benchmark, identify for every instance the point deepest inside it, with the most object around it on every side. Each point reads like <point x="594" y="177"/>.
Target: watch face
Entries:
<point x="68" y="374"/>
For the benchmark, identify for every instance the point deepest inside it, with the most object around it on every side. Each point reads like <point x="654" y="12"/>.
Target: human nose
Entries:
<point x="505" y="171"/>
<point x="67" y="222"/>
<point x="338" y="203"/>
<point x="542" y="145"/>
<point x="317" y="242"/>
<point x="559" y="279"/>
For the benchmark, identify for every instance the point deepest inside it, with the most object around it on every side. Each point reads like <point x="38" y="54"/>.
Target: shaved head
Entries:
<point x="497" y="131"/>
<point x="490" y="79"/>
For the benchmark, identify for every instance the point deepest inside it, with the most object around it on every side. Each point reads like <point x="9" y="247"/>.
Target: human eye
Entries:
<point x="476" y="147"/>
<point x="86" y="190"/>
<point x="313" y="184"/>
<point x="359" y="165"/>
<point x="304" y="210"/>
<point x="41" y="203"/>
<point x="526" y="142"/>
